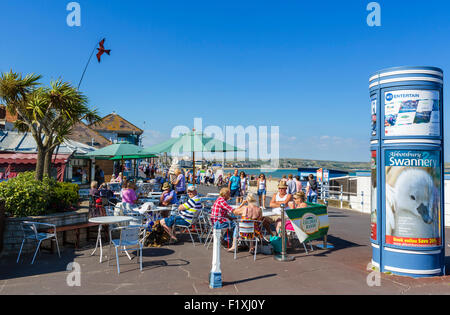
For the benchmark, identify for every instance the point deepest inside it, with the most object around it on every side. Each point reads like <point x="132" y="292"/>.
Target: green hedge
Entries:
<point x="24" y="196"/>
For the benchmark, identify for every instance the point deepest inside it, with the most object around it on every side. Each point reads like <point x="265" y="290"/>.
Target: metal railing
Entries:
<point x="326" y="193"/>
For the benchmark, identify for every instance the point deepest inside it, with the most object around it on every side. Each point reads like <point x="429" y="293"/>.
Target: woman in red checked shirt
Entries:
<point x="221" y="214"/>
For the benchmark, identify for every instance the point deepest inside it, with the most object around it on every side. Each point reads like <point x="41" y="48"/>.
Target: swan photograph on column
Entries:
<point x="412" y="198"/>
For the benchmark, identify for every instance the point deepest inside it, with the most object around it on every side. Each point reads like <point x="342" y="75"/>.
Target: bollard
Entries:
<point x="362" y="200"/>
<point x="215" y="275"/>
<point x="283" y="256"/>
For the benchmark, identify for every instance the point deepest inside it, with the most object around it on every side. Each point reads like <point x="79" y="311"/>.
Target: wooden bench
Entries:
<point x="74" y="227"/>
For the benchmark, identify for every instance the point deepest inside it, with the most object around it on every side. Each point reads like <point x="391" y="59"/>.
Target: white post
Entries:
<point x="92" y="169"/>
<point x="342" y="197"/>
<point x="215" y="276"/>
<point x="362" y="200"/>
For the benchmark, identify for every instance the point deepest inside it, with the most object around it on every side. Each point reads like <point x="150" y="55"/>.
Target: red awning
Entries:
<point x="29" y="158"/>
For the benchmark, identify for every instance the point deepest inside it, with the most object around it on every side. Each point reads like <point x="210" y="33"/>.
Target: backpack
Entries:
<point x="313" y="184"/>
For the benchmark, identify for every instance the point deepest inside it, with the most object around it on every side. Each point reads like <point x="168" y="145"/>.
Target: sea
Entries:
<point x="274" y="173"/>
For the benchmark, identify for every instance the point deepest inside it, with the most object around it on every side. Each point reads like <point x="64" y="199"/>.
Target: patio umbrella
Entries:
<point x="193" y="141"/>
<point x="120" y="151"/>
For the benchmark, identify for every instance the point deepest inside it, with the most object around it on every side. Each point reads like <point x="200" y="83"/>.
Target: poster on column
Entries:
<point x="373" y="105"/>
<point x="373" y="199"/>
<point x="411" y="113"/>
<point x="413" y="201"/>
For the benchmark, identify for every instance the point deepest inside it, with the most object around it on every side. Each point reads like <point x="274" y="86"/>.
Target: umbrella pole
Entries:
<point x="193" y="167"/>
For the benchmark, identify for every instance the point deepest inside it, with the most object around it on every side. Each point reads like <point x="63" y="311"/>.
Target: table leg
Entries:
<point x="99" y="241"/>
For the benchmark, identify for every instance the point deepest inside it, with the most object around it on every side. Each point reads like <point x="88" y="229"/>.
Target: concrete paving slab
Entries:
<point x="183" y="269"/>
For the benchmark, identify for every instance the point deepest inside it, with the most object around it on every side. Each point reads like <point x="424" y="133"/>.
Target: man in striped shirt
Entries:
<point x="186" y="215"/>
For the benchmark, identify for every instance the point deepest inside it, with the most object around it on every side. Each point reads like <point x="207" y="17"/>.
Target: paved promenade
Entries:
<point x="183" y="269"/>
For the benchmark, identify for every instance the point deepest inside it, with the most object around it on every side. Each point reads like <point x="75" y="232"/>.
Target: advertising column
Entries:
<point x="406" y="226"/>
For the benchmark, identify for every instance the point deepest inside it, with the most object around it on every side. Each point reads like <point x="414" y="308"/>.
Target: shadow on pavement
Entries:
<point x="45" y="263"/>
<point x="156" y="251"/>
<point x="249" y="279"/>
<point x="165" y="263"/>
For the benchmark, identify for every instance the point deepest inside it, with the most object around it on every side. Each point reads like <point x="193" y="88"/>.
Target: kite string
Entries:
<point x="85" y="68"/>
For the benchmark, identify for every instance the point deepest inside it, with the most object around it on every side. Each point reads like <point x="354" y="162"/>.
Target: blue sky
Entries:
<point x="300" y="65"/>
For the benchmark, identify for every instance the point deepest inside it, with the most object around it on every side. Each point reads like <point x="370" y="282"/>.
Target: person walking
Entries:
<point x="311" y="189"/>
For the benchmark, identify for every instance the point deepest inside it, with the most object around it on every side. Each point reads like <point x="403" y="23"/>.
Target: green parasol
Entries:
<point x="193" y="141"/>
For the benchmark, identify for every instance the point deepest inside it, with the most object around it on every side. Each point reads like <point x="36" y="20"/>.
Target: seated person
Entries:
<point x="168" y="197"/>
<point x="221" y="213"/>
<point x="94" y="191"/>
<point x="250" y="212"/>
<point x="104" y="191"/>
<point x="187" y="212"/>
<point x="282" y="197"/>
<point x="129" y="195"/>
<point x="299" y="202"/>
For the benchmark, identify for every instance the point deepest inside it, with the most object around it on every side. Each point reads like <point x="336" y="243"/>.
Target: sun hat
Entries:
<point x="191" y="188"/>
<point x="282" y="184"/>
<point x="165" y="186"/>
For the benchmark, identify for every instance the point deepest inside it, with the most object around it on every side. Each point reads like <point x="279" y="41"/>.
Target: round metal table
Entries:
<point x="102" y="221"/>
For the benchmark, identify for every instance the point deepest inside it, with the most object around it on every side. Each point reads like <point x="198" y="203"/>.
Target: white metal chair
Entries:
<point x="189" y="227"/>
<point x="109" y="210"/>
<point x="129" y="236"/>
<point x="211" y="229"/>
<point x="247" y="233"/>
<point x="30" y="232"/>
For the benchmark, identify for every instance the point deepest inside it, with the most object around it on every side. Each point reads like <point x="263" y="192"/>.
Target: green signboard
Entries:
<point x="309" y="223"/>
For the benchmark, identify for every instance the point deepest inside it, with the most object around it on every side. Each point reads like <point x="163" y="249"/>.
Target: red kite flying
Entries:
<point x="102" y="50"/>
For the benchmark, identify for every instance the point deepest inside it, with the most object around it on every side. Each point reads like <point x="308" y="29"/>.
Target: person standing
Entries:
<point x="261" y="184"/>
<point x="298" y="183"/>
<point x="234" y="185"/>
<point x="243" y="187"/>
<point x="179" y="182"/>
<point x="292" y="186"/>
<point x="311" y="189"/>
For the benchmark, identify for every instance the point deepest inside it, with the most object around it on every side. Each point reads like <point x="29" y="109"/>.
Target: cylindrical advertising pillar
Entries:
<point x="407" y="164"/>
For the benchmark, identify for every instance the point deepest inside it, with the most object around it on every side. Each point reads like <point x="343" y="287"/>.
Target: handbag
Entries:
<point x="277" y="243"/>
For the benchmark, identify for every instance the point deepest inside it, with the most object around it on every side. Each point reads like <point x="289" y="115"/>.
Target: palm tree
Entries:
<point x="48" y="113"/>
<point x="16" y="91"/>
<point x="65" y="106"/>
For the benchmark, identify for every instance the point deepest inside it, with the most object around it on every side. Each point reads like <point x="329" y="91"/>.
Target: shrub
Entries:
<point x="25" y="196"/>
<point x="63" y="196"/>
